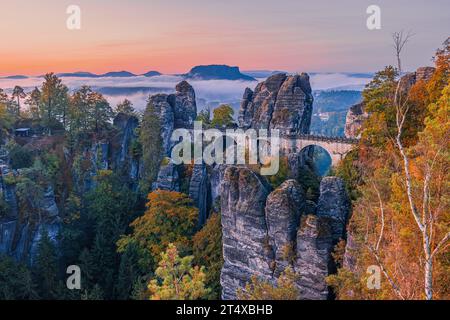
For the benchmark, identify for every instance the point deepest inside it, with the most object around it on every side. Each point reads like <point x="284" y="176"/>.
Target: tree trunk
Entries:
<point x="428" y="267"/>
<point x="18" y="106"/>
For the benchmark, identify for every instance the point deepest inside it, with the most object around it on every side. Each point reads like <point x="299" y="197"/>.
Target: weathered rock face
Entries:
<point x="48" y="204"/>
<point x="335" y="204"/>
<point x="409" y="79"/>
<point x="293" y="107"/>
<point x="199" y="191"/>
<point x="351" y="251"/>
<point x="354" y="120"/>
<point x="165" y="112"/>
<point x="314" y="245"/>
<point x="264" y="232"/>
<point x="184" y="106"/>
<point x="19" y="237"/>
<point x="281" y="102"/>
<point x="121" y="153"/>
<point x="100" y="156"/>
<point x="424" y="73"/>
<point x="168" y="178"/>
<point x="177" y="110"/>
<point x="245" y="248"/>
<point x="246" y="111"/>
<point x="216" y="178"/>
<point x="257" y="107"/>
<point x="283" y="209"/>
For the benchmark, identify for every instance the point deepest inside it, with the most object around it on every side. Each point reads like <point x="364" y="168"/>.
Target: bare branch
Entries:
<point x="400" y="39"/>
<point x="440" y="244"/>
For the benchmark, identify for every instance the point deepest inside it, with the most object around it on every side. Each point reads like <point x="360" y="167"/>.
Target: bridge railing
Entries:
<point x="293" y="135"/>
<point x="321" y="138"/>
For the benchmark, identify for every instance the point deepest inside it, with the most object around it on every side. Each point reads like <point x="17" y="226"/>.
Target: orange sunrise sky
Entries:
<point x="173" y="36"/>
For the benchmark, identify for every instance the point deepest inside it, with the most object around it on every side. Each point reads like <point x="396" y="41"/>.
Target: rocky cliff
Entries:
<point x="177" y="110"/>
<point x="123" y="157"/>
<point x="265" y="231"/>
<point x="354" y="120"/>
<point x="280" y="102"/>
<point x="246" y="250"/>
<point x="356" y="115"/>
<point x="20" y="232"/>
<point x="199" y="191"/>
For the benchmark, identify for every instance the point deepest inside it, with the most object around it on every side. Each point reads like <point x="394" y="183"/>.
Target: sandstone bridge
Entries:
<point x="337" y="147"/>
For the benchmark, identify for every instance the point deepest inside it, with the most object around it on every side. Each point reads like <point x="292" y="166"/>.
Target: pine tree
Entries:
<point x="54" y="102"/>
<point x="125" y="107"/>
<point x="177" y="279"/>
<point x="15" y="281"/>
<point x="45" y="267"/>
<point x="18" y="93"/>
<point x="129" y="272"/>
<point x="100" y="112"/>
<point x="110" y="207"/>
<point x="33" y="101"/>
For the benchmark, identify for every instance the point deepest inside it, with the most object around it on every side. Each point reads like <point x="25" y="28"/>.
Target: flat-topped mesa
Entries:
<point x="281" y="102"/>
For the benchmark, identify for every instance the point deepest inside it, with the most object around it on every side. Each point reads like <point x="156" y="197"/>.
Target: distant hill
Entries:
<point x="118" y="74"/>
<point x="16" y="77"/>
<point x="114" y="74"/>
<point x="217" y="72"/>
<point x="79" y="74"/>
<point x="152" y="74"/>
<point x="333" y="106"/>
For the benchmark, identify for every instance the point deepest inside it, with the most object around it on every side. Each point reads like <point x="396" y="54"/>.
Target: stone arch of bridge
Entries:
<point x="334" y="157"/>
<point x="336" y="150"/>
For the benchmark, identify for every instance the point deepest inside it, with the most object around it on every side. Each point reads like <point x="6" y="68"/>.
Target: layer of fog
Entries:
<point x="209" y="92"/>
